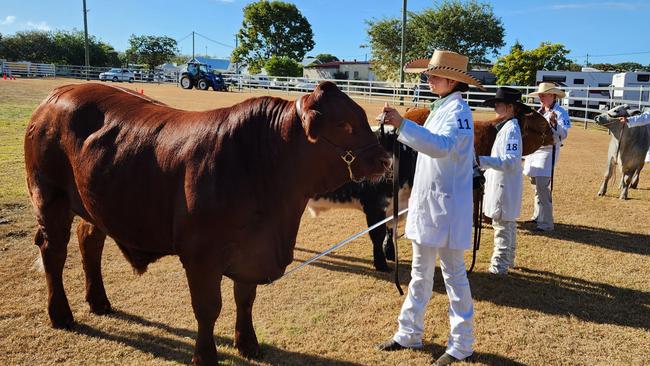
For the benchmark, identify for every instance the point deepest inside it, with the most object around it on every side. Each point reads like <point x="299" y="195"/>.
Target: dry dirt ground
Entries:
<point x="579" y="296"/>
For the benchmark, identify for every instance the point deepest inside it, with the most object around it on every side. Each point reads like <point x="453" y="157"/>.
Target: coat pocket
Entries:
<point x="434" y="210"/>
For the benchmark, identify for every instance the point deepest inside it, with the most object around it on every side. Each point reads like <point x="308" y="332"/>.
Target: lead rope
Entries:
<point x="396" y="150"/>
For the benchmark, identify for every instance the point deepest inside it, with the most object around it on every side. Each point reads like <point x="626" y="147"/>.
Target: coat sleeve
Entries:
<point x="512" y="158"/>
<point x="560" y="132"/>
<point x="639" y="120"/>
<point x="435" y="145"/>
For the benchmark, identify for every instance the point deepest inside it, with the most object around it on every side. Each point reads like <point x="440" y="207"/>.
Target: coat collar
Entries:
<point x="442" y="101"/>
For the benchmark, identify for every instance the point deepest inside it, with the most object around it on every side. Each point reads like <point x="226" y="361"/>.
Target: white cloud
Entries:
<point x="225" y="1"/>
<point x="42" y="26"/>
<point x="8" y="20"/>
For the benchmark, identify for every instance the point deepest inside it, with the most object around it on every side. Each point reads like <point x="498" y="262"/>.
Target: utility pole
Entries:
<point x="587" y="61"/>
<point x="401" y="58"/>
<point x="192" y="44"/>
<point x="86" y="40"/>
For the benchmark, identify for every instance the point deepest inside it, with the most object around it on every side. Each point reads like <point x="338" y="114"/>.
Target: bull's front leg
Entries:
<point x="374" y="215"/>
<point x="204" y="279"/>
<point x="608" y="174"/>
<point x="245" y="338"/>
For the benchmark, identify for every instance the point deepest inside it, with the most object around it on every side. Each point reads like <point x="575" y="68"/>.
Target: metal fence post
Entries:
<point x="640" y="95"/>
<point x="587" y="106"/>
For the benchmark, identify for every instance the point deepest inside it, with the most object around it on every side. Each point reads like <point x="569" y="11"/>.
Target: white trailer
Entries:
<point x="580" y="85"/>
<point x="638" y="80"/>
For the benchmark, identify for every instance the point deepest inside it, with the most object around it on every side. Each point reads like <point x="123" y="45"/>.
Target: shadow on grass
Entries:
<point x="485" y="358"/>
<point x="535" y="290"/>
<point x="556" y="294"/>
<point x="608" y="239"/>
<point x="181" y="351"/>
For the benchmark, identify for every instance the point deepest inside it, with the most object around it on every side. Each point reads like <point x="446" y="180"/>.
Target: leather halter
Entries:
<point x="348" y="156"/>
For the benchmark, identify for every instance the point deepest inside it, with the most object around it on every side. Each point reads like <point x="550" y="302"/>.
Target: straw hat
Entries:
<point x="446" y="64"/>
<point x="507" y="95"/>
<point x="548" y="88"/>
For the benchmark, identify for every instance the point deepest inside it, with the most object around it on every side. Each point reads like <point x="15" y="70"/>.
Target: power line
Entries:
<point x="614" y="54"/>
<point x="213" y="41"/>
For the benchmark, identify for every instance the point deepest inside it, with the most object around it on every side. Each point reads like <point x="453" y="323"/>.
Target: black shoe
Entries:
<point x="391" y="345"/>
<point x="531" y="221"/>
<point x="445" y="359"/>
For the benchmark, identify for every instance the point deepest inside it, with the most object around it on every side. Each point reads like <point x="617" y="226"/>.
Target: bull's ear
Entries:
<point x="312" y="123"/>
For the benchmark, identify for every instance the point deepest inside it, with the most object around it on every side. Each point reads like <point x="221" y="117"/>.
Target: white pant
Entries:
<point x="461" y="307"/>
<point x="505" y="243"/>
<point x="543" y="213"/>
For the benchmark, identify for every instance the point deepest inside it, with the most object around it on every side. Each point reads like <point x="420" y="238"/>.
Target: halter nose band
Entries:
<point x="348" y="156"/>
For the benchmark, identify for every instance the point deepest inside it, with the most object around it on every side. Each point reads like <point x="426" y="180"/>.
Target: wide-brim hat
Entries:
<point x="508" y="95"/>
<point x="445" y="64"/>
<point x="548" y="88"/>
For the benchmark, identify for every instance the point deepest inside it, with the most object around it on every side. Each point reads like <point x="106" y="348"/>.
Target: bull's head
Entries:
<point x="535" y="132"/>
<point x="610" y="119"/>
<point x="339" y="126"/>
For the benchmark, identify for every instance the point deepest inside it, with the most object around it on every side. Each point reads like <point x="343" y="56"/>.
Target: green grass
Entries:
<point x="14" y="116"/>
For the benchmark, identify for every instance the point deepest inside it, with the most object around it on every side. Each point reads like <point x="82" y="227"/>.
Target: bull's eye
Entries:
<point x="345" y="126"/>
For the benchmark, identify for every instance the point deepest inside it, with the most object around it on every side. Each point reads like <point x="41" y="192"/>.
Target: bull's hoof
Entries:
<point x="249" y="350"/>
<point x="100" y="308"/>
<point x="203" y="360"/>
<point x="61" y="319"/>
<point x="382" y="266"/>
<point x="601" y="193"/>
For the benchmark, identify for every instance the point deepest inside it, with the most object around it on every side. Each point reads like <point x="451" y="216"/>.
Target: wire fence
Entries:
<point x="582" y="103"/>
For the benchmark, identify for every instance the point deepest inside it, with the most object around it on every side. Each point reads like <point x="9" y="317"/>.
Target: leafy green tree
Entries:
<point x="60" y="47"/>
<point x="272" y="28"/>
<point x="283" y="66"/>
<point x="629" y="66"/>
<point x="604" y="67"/>
<point x="520" y="66"/>
<point x="469" y="28"/>
<point x="326" y="57"/>
<point x="151" y="50"/>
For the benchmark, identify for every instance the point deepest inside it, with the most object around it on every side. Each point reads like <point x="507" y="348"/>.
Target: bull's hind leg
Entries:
<point x="245" y="338"/>
<point x="625" y="185"/>
<point x="377" y="237"/>
<point x="55" y="218"/>
<point x="204" y="280"/>
<point x="91" y="245"/>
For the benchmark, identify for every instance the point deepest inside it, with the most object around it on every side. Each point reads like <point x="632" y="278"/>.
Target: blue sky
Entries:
<point x="598" y="28"/>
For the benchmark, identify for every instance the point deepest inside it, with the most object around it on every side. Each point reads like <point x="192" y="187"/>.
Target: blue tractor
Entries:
<point x="199" y="75"/>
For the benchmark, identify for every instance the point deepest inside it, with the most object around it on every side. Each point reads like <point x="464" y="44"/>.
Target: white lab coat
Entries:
<point x="639" y="120"/>
<point x="503" y="178"/>
<point x="539" y="163"/>
<point x="440" y="206"/>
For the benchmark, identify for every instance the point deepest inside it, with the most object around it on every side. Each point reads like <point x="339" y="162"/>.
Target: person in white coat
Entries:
<point x="439" y="221"/>
<point x="503" y="177"/>
<point x="540" y="165"/>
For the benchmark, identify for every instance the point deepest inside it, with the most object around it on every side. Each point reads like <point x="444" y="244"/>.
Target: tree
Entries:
<point x="283" y="66"/>
<point x="151" y="50"/>
<point x="272" y="28"/>
<point x="629" y="66"/>
<point x="60" y="47"/>
<point x="520" y="66"/>
<point x="469" y="28"/>
<point x="326" y="57"/>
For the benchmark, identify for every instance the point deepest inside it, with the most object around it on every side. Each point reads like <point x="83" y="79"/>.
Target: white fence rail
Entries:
<point x="582" y="103"/>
